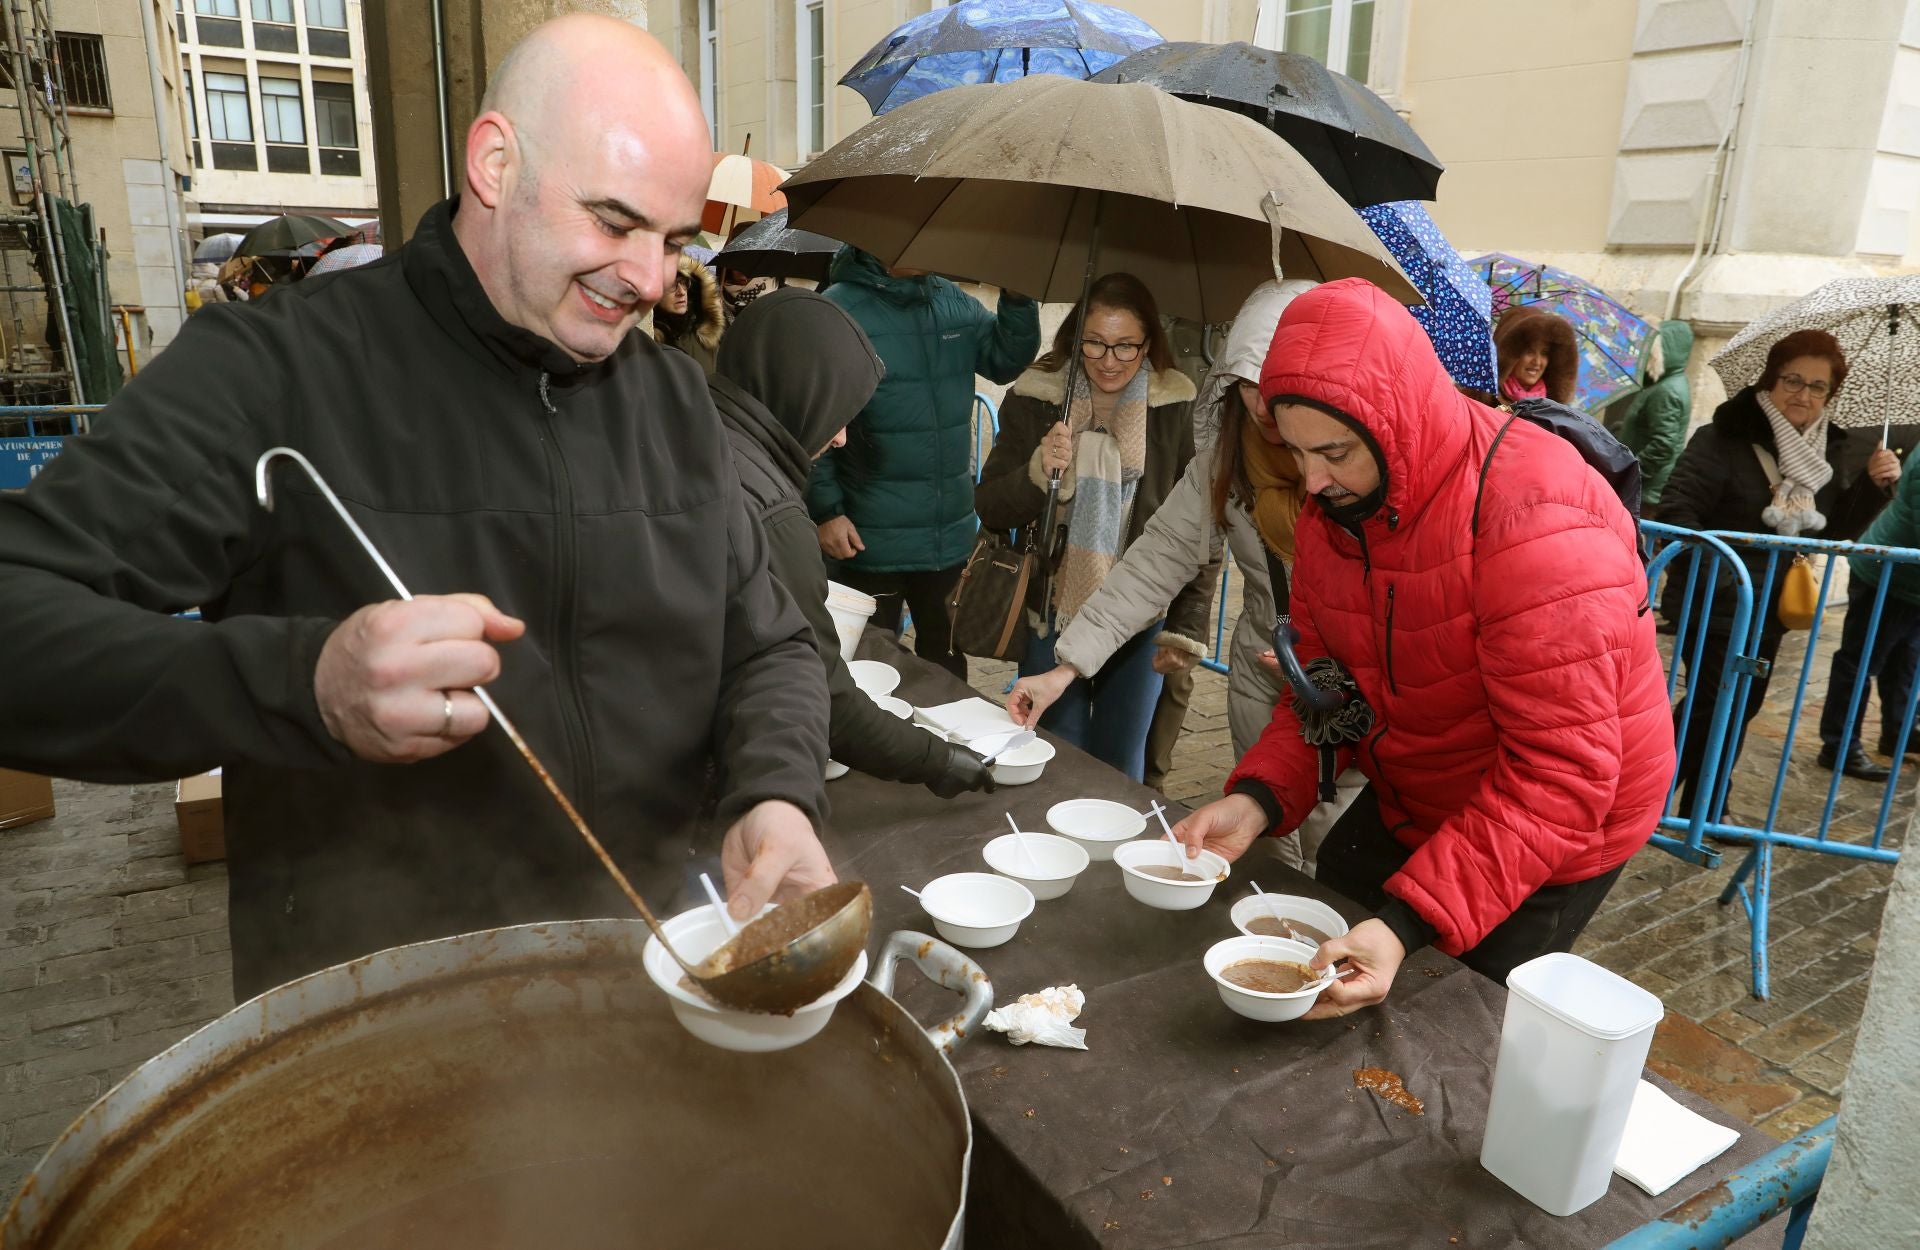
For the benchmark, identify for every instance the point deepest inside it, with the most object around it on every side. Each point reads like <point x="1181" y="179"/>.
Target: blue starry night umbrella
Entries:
<point x="978" y="41"/>
<point x="1458" y="314"/>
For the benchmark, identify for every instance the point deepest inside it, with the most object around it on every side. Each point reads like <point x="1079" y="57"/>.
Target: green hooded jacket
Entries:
<point x="1658" y="418"/>
<point x="1898" y="525"/>
<point x="905" y="477"/>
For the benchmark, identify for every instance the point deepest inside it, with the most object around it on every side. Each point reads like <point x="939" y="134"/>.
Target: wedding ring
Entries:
<point x="446" y="715"/>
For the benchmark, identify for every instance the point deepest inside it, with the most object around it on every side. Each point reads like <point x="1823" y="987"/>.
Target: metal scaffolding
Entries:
<point x="35" y="274"/>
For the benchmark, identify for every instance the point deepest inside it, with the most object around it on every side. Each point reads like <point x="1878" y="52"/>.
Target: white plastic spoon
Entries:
<point x="1020" y="837"/>
<point x="1179" y="848"/>
<point x="1273" y="909"/>
<point x="719" y="904"/>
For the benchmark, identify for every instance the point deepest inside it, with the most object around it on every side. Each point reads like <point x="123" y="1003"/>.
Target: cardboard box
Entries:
<point x="24" y="798"/>
<point x="203" y="830"/>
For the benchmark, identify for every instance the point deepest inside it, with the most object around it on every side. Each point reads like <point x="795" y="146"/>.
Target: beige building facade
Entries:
<point x="1712" y="158"/>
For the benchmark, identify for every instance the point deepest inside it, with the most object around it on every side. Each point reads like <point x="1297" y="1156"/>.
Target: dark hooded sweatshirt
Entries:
<point x="793" y="371"/>
<point x="596" y="502"/>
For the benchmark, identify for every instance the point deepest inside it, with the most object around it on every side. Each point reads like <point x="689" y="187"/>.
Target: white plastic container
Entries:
<point x="976" y="909"/>
<point x="850" y="610"/>
<point x="1571" y="1049"/>
<point x="1047" y="865"/>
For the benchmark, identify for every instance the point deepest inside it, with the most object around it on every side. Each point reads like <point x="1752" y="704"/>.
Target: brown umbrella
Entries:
<point x="1030" y="185"/>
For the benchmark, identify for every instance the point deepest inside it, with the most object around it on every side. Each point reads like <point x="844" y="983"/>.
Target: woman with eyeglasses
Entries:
<point x="1120" y="439"/>
<point x="1764" y="465"/>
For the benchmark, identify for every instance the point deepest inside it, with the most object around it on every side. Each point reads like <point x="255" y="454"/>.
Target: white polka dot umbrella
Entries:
<point x="1877" y="323"/>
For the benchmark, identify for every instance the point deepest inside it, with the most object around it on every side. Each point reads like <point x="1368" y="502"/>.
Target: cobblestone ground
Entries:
<point x="111" y="948"/>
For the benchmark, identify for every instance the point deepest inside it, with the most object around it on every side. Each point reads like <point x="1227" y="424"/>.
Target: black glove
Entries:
<point x="962" y="771"/>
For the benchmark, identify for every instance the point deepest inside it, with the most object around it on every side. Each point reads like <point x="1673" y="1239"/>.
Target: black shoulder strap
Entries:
<point x="1485" y="467"/>
<point x="1277" y="576"/>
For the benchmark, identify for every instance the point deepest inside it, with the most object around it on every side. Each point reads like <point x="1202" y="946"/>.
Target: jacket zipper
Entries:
<point x="1380" y="775"/>
<point x="1391" y="685"/>
<point x="573" y="713"/>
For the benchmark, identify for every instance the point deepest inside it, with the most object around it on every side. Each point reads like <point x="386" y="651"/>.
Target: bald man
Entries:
<point x="555" y="488"/>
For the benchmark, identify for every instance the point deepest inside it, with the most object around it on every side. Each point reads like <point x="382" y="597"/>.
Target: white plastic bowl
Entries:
<point x="1158" y="891"/>
<point x="875" y="678"/>
<point x="1253" y="1004"/>
<point x="976" y="909"/>
<point x="899" y="707"/>
<point x="697" y="934"/>
<point x="1049" y="874"/>
<point x="1291" y="907"/>
<point x="1098" y="825"/>
<point x="836" y="770"/>
<point x="1018" y="766"/>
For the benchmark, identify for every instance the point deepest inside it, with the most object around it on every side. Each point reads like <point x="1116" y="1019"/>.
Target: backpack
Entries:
<point x="1604" y="454"/>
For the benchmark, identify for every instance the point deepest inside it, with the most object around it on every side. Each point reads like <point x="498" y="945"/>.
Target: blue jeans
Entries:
<point x="1108" y="714"/>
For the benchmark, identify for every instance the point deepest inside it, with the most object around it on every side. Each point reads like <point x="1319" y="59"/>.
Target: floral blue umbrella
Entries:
<point x="1611" y="339"/>
<point x="978" y="41"/>
<point x="1458" y="314"/>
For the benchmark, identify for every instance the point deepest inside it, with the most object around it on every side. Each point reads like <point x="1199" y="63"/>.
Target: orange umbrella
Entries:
<point x="742" y="183"/>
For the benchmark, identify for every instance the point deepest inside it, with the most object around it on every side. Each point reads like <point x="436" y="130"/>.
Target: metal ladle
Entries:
<point x="777" y="964"/>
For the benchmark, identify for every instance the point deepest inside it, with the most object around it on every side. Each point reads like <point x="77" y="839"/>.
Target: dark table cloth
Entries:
<point x="1184" y="1124"/>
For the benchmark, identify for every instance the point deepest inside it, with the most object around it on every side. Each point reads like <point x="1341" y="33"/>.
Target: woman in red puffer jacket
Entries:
<point x="1522" y="742"/>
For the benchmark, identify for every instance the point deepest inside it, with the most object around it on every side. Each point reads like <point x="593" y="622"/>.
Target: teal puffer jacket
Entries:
<point x="1897" y="526"/>
<point x="905" y="477"/>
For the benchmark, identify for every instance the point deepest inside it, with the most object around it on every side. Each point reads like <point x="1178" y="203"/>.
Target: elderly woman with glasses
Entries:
<point x="1766" y="464"/>
<point x="1108" y="412"/>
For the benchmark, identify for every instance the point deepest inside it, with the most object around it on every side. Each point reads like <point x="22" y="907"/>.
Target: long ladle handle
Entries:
<point x="263" y="490"/>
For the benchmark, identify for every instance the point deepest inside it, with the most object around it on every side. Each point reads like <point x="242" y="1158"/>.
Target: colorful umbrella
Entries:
<point x="1458" y="314"/>
<point x="1610" y="338"/>
<point x="741" y="182"/>
<point x="978" y="41"/>
<point x="1877" y="322"/>
<point x="1364" y="149"/>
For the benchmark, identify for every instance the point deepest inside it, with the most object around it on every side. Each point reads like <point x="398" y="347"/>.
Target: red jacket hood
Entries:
<point x="1351" y="346"/>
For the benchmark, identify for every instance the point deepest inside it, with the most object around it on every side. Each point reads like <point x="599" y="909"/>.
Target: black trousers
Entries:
<point x="923" y="594"/>
<point x="1359" y="855"/>
<point x="1695" y="723"/>
<point x="1895" y="658"/>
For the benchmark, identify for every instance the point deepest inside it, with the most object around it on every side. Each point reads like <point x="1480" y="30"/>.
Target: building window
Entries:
<point x="83" y="71"/>
<point x="282" y="115"/>
<point x="710" y="67"/>
<point x="336" y="128"/>
<point x="329" y="13"/>
<point x="217" y="8"/>
<point x="228" y="119"/>
<point x="193" y="112"/>
<point x="1336" y="33"/>
<point x="273" y="28"/>
<point x="280" y="11"/>
<point x="814" y="121"/>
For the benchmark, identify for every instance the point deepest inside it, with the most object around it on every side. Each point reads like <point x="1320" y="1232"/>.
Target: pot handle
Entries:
<point x="940" y="963"/>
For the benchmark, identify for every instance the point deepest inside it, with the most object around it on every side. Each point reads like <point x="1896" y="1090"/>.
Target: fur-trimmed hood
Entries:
<point x="706" y="316"/>
<point x="1523" y="325"/>
<point x="1049" y="386"/>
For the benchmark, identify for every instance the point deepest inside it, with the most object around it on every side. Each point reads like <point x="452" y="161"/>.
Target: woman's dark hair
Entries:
<point x="1125" y="293"/>
<point x="1229" y="477"/>
<point x="1805" y="343"/>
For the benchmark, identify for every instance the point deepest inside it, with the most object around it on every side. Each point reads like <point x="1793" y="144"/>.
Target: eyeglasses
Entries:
<point x="1793" y="384"/>
<point x="1125" y="353"/>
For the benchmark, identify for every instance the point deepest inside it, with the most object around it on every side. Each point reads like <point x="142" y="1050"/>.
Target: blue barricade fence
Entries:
<point x="31" y="435"/>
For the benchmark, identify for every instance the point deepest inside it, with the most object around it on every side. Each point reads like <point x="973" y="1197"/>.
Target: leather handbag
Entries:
<point x="988" y="606"/>
<point x="1799" y="600"/>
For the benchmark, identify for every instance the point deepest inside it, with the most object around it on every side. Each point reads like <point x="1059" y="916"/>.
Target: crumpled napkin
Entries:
<point x="1045" y="1017"/>
<point x="1664" y="1141"/>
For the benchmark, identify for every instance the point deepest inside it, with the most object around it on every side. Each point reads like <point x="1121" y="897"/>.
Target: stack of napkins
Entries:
<point x="1664" y="1141"/>
<point x="969" y="712"/>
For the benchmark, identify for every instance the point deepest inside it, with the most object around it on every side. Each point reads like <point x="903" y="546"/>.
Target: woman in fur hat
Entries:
<point x="689" y="315"/>
<point x="1538" y="357"/>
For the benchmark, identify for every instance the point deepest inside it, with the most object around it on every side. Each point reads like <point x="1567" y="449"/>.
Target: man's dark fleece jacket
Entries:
<point x="665" y="677"/>
<point x="792" y="372"/>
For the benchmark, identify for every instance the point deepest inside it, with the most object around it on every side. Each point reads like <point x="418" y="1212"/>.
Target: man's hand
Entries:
<point x="1032" y="696"/>
<point x="389" y="674"/>
<point x="1227" y="827"/>
<point x="1884" y="468"/>
<point x="1370" y="947"/>
<point x="1170" y="660"/>
<point x="771" y="855"/>
<point x="839" y="539"/>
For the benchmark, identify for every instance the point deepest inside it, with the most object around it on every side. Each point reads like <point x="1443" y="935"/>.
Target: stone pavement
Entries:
<point x="111" y="949"/>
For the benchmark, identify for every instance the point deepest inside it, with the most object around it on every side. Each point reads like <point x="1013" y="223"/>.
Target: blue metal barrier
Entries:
<point x="1788" y="1179"/>
<point x="1717" y="556"/>
<point x="1219" y="661"/>
<point x="22" y="457"/>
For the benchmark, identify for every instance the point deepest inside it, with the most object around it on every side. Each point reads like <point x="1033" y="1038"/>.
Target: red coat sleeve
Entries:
<point x="1557" y="590"/>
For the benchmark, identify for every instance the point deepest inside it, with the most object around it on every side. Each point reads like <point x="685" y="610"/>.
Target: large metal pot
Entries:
<point x="523" y="1087"/>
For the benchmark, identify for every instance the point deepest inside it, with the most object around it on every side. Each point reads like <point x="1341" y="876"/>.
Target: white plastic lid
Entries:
<point x="1599" y="1003"/>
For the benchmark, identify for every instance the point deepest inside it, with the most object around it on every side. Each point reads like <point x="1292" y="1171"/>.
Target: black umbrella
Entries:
<point x="769" y="248"/>
<point x="1351" y="136"/>
<point x="285" y="236"/>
